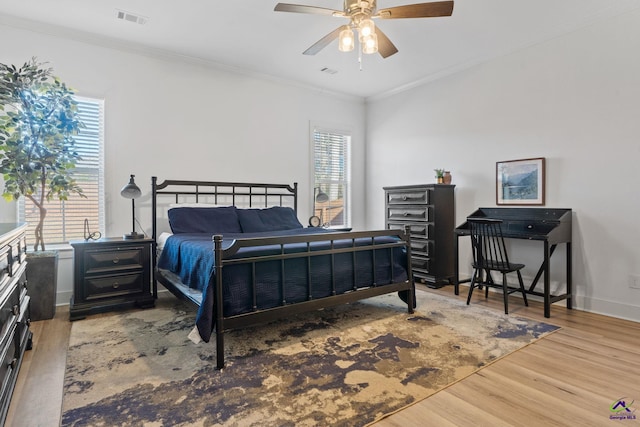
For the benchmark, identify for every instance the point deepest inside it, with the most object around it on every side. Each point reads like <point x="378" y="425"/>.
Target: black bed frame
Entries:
<point x="263" y="195"/>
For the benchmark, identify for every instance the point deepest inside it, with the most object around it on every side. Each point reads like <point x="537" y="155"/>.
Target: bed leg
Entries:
<point x="411" y="299"/>
<point x="219" y="350"/>
<point x="217" y="249"/>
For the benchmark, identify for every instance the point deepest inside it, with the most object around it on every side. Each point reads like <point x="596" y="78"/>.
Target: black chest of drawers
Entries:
<point x="109" y="274"/>
<point x="429" y="211"/>
<point x="15" y="335"/>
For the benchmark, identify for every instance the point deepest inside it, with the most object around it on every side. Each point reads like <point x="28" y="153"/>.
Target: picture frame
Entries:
<point x="520" y="182"/>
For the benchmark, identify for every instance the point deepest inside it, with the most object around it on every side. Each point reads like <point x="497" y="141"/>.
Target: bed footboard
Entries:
<point x="329" y="245"/>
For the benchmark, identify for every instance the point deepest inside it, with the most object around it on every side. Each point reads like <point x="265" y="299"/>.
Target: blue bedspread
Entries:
<point x="190" y="256"/>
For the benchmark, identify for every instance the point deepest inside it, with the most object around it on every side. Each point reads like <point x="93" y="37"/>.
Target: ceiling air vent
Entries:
<point x="131" y="17"/>
<point x="328" y="70"/>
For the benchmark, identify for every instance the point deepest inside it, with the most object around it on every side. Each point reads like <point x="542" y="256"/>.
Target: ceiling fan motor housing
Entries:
<point x="359" y="9"/>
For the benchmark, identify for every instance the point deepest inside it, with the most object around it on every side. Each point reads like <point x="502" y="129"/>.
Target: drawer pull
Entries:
<point x="405" y="214"/>
<point x="15" y="310"/>
<point x="404" y="197"/>
<point x="116" y="285"/>
<point x="116" y="260"/>
<point x="13" y="363"/>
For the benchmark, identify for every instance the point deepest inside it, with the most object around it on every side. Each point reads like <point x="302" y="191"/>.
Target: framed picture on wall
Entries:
<point x="520" y="182"/>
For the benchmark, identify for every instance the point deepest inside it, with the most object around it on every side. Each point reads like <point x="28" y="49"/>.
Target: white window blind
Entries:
<point x="65" y="219"/>
<point x="331" y="164"/>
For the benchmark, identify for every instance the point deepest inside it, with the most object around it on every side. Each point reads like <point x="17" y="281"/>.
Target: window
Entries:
<point x="65" y="219"/>
<point x="331" y="176"/>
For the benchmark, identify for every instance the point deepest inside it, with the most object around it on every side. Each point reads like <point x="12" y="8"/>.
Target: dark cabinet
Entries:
<point x="15" y="335"/>
<point x="429" y="211"/>
<point x="111" y="273"/>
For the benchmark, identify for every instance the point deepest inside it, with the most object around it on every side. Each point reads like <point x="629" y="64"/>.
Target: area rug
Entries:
<point x="345" y="366"/>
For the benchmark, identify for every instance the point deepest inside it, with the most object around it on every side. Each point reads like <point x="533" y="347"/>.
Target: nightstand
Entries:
<point x="111" y="273"/>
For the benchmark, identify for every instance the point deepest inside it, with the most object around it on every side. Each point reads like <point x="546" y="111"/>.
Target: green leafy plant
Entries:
<point x="38" y="121"/>
<point x="439" y="173"/>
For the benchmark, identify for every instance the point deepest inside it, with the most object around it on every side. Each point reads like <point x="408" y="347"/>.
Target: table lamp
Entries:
<point x="132" y="191"/>
<point x="321" y="197"/>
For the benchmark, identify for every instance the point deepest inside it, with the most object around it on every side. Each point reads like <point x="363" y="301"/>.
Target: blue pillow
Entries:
<point x="204" y="220"/>
<point x="269" y="219"/>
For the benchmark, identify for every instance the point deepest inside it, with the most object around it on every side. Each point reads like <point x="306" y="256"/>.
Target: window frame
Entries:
<point x="345" y="182"/>
<point x="62" y="241"/>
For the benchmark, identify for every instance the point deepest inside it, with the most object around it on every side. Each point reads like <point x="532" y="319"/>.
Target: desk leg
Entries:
<point x="547" y="281"/>
<point x="456" y="266"/>
<point x="569" y="278"/>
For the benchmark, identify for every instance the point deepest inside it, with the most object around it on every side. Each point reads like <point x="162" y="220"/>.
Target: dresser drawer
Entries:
<point x="114" y="285"/>
<point x="420" y="230"/>
<point x="9" y="363"/>
<point x="416" y="197"/>
<point x="23" y="334"/>
<point x="9" y="309"/>
<point x="420" y="247"/>
<point x="420" y="263"/>
<point x="408" y="213"/>
<point x="18" y="251"/>
<point x="5" y="265"/>
<point x="99" y="261"/>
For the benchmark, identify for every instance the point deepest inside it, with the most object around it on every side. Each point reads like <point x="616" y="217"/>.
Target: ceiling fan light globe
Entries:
<point x="366" y="28"/>
<point x="370" y="44"/>
<point x="346" y="40"/>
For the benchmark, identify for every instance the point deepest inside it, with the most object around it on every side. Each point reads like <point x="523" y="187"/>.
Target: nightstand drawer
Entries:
<point x="408" y="197"/>
<point x="114" y="285"/>
<point x="409" y="213"/>
<point x="99" y="261"/>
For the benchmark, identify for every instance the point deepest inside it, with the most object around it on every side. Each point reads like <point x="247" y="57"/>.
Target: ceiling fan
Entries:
<point x="361" y="14"/>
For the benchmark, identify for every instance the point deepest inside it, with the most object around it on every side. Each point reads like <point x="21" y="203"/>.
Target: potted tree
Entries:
<point x="38" y="121"/>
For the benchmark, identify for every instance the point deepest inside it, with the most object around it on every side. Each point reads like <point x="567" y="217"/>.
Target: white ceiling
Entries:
<point x="248" y="36"/>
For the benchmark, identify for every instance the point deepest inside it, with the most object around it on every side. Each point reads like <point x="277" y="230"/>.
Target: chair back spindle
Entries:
<point x="488" y="246"/>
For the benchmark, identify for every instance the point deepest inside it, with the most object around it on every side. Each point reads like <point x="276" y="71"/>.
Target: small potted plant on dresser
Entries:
<point x="38" y="121"/>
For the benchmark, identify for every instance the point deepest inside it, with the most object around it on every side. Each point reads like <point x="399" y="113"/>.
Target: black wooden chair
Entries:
<point x="490" y="254"/>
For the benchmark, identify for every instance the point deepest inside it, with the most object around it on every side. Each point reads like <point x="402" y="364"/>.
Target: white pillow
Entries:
<point x="162" y="239"/>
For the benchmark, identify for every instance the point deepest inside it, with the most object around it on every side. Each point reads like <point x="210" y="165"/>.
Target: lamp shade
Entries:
<point x="346" y="40"/>
<point x="366" y="28"/>
<point x="131" y="190"/>
<point x="370" y="44"/>
<point x="321" y="197"/>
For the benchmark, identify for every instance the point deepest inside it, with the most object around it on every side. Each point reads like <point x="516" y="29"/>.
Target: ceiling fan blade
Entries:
<point x="385" y="47"/>
<point x="420" y="10"/>
<point x="299" y="8"/>
<point x="324" y="42"/>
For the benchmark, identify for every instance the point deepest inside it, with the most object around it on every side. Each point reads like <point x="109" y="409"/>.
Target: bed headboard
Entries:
<point x="242" y="195"/>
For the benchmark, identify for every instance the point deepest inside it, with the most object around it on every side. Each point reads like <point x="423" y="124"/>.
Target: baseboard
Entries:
<point x="607" y="308"/>
<point x="582" y="303"/>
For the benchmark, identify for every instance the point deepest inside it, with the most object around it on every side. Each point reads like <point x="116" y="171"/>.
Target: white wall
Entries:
<point x="573" y="100"/>
<point x="180" y="120"/>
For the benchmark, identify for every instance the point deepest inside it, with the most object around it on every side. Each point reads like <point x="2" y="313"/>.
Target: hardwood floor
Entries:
<point x="570" y="378"/>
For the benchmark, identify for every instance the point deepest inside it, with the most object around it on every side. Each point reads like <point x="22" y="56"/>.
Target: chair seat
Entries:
<point x="502" y="267"/>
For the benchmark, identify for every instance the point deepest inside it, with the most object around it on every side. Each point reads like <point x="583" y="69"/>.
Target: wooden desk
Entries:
<point x="551" y="226"/>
